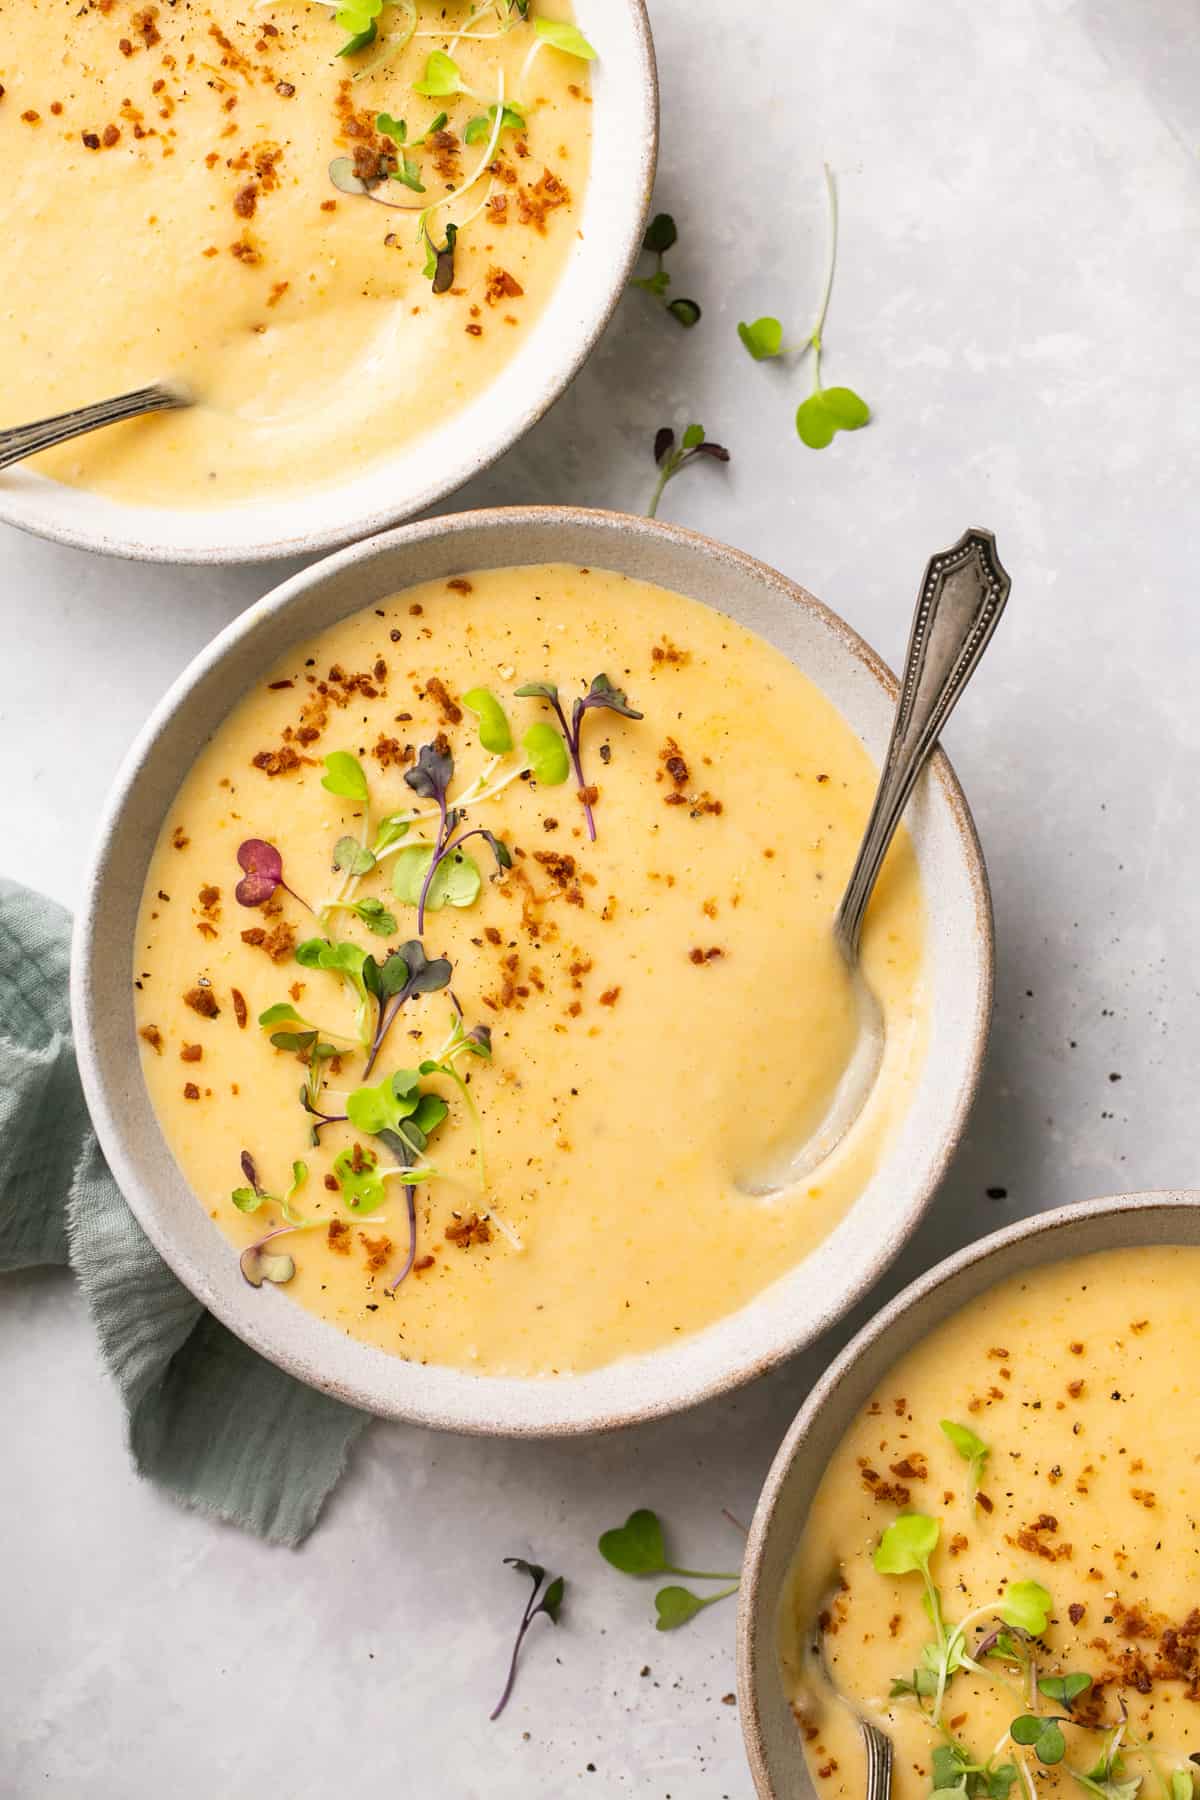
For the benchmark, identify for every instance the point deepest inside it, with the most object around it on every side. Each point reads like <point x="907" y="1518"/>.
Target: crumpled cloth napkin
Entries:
<point x="209" y="1420"/>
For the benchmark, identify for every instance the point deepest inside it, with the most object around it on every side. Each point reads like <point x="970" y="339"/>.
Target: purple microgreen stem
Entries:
<point x="546" y="1600"/>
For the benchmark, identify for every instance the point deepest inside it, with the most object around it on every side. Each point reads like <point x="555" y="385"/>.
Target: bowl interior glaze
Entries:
<point x="804" y="1301"/>
<point x="421" y="473"/>
<point x="1119" y="1222"/>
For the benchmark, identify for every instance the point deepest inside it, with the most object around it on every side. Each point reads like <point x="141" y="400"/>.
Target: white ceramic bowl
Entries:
<point x="798" y="1306"/>
<point x="624" y="85"/>
<point x="1124" y="1220"/>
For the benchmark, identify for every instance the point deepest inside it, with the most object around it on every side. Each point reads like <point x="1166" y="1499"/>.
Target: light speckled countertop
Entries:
<point x="1017" y="298"/>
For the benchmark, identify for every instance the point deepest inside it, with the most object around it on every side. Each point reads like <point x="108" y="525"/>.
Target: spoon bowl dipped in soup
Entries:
<point x="482" y="941"/>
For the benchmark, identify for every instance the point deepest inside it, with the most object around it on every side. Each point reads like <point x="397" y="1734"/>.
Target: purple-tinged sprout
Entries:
<point x="249" y="1171"/>
<point x="410" y="1195"/>
<point x="263" y="867"/>
<point x="258" y="1266"/>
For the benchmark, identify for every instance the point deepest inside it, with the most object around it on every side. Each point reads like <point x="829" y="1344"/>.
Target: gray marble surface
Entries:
<point x="1017" y="299"/>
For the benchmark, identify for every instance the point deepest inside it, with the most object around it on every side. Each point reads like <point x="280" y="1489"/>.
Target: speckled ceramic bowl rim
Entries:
<point x="1048" y="1237"/>
<point x="400" y="485"/>
<point x="634" y="1389"/>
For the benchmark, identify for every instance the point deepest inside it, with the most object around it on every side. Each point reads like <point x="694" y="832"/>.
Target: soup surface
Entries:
<point x="1047" y="1438"/>
<point x="172" y="213"/>
<point x="662" y="1001"/>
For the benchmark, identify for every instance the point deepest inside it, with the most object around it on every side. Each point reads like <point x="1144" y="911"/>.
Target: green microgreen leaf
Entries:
<point x="344" y="775"/>
<point x="375" y="916"/>
<point x="275" y="1015"/>
<point x="1043" y="1736"/>
<point x="456" y="881"/>
<point x="1183" y="1786"/>
<point x="384" y="1106"/>
<point x="1026" y="1605"/>
<point x="546" y="753"/>
<point x="1066" y="1689"/>
<point x="828" y="411"/>
<point x="565" y="37"/>
<point x="685" y="312"/>
<point x="408" y="174"/>
<point x="357" y="1174"/>
<point x="970" y="1447"/>
<point x="442" y="78"/>
<point x="246" y="1200"/>
<point x="479" y="129"/>
<point x="390" y="831"/>
<point x="637" y="1547"/>
<point x="396" y="129"/>
<point x="675" y="1606"/>
<point x="495" y="733"/>
<point x="351" y="857"/>
<point x="360" y="19"/>
<point x="661" y="234"/>
<point x="907" y="1545"/>
<point x="763" y="338"/>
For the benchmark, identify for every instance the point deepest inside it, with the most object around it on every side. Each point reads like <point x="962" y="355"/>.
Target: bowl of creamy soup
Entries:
<point x="373" y="241"/>
<point x="979" y="1535"/>
<point x="459" y="935"/>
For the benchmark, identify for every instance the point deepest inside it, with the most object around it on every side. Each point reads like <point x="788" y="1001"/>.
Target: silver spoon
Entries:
<point x="19" y="441"/>
<point x="878" y="1743"/>
<point x="961" y="599"/>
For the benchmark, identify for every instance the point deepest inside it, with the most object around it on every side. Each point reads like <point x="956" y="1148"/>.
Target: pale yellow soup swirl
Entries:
<point x="171" y="214"/>
<point x="1080" y="1380"/>
<point x="662" y="1001"/>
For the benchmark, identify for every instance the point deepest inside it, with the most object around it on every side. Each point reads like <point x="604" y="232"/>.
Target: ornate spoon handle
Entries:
<point x="20" y="441"/>
<point x="961" y="599"/>
<point x="879" y="1762"/>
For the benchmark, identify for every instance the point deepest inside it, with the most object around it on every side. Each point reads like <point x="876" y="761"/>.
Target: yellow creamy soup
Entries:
<point x="661" y="1001"/>
<point x="1046" y="1443"/>
<point x="172" y="213"/>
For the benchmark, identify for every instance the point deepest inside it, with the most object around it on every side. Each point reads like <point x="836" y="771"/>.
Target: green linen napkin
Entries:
<point x="209" y="1419"/>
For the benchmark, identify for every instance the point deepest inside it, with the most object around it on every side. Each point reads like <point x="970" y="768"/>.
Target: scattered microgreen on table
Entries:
<point x="544" y="756"/>
<point x="661" y="235"/>
<point x="826" y="410"/>
<point x="672" y="457"/>
<point x="544" y="1599"/>
<point x="639" y="1548"/>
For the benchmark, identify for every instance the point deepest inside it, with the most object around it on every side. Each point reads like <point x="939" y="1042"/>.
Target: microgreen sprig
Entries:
<point x="361" y="19"/>
<point x="248" y="1199"/>
<point x="557" y="35"/>
<point x="671" y="458"/>
<point x="441" y="874"/>
<point x="661" y="234"/>
<point x="905" y="1548"/>
<point x="970" y="1447"/>
<point x="826" y="411"/>
<point x="547" y="1600"/>
<point x="262" y="866"/>
<point x="602" y="694"/>
<point x="639" y="1547"/>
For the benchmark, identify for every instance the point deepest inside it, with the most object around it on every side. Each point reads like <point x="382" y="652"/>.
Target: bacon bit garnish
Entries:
<point x="277" y="762"/>
<point x="500" y="285"/>
<point x="465" y="1232"/>
<point x="547" y="193"/>
<point x="191" y="1091"/>
<point x="610" y="996"/>
<point x="338" y="1235"/>
<point x="178" y="840"/>
<point x="378" y="1251"/>
<point x="191" y="1053"/>
<point x="152" y="1036"/>
<point x="698" y="955"/>
<point x="422" y="1263"/>
<point x="449" y="711"/>
<point x="202" y="1000"/>
<point x="459" y="584"/>
<point x="278" y="943"/>
<point x="240" y="1012"/>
